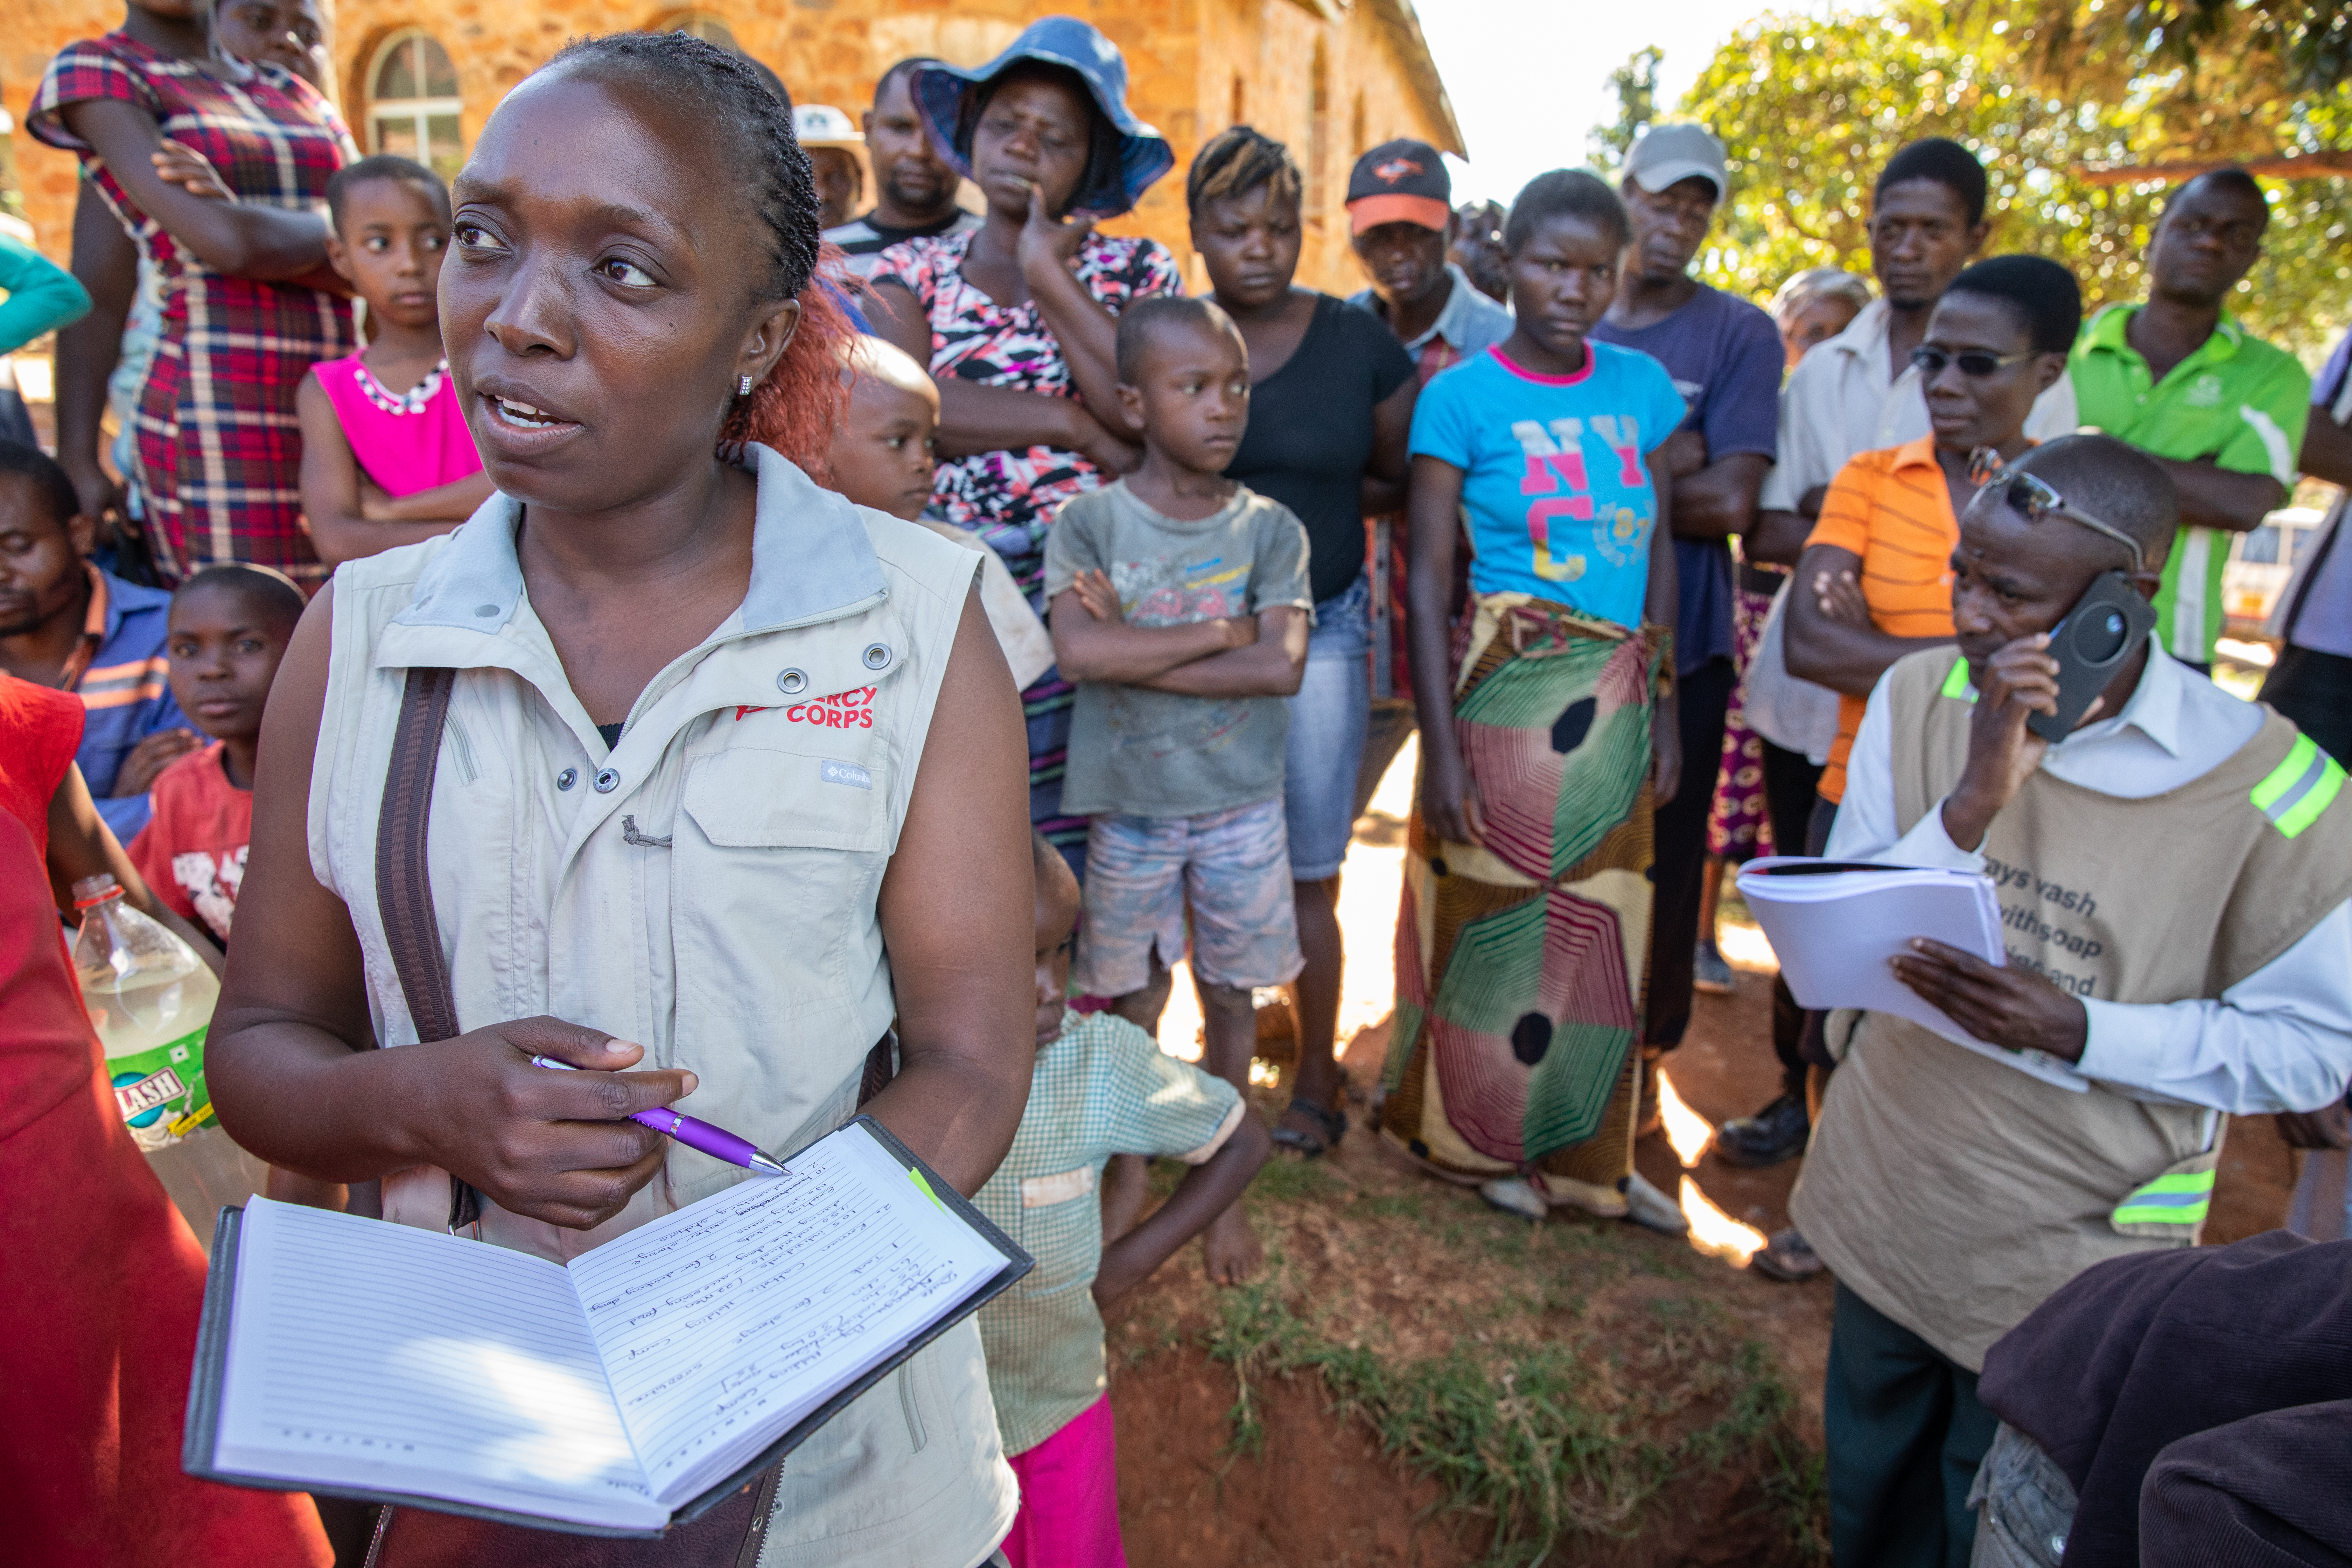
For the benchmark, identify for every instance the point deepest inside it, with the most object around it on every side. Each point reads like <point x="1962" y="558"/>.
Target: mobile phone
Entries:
<point x="2090" y="645"/>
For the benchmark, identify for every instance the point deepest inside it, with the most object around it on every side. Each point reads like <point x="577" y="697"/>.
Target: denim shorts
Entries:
<point x="1328" y="717"/>
<point x="1228" y="869"/>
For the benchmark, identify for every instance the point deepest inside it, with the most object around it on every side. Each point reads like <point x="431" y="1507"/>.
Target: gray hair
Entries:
<point x="1820" y="283"/>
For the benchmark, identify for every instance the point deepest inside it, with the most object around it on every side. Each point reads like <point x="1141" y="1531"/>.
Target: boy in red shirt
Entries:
<point x="230" y="626"/>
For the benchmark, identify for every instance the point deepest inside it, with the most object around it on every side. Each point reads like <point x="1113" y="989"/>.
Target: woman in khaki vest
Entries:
<point x="686" y="791"/>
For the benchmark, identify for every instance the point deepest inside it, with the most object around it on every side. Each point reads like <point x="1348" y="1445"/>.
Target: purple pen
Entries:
<point x="693" y="1132"/>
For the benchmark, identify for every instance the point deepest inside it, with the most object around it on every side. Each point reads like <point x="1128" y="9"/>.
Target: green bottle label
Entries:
<point x="162" y="1092"/>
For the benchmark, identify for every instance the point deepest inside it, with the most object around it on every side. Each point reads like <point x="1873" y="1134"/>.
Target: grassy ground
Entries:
<point x="1566" y="1385"/>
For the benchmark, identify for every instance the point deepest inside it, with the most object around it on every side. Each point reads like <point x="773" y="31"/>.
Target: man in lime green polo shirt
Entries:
<point x="2181" y="380"/>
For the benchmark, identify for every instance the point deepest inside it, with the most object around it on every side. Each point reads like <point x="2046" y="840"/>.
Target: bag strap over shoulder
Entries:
<point x="404" y="881"/>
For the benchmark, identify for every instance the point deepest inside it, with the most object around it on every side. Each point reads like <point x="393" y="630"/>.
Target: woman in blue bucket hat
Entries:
<point x="1017" y="319"/>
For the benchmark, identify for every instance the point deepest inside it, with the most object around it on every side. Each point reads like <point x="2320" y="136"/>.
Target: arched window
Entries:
<point x="700" y="24"/>
<point x="1319" y="132"/>
<point x="413" y="103"/>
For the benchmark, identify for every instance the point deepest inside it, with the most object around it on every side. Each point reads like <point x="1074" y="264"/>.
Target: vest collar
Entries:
<point x="812" y="560"/>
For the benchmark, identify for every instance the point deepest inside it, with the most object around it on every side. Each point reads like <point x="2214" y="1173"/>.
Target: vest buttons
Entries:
<point x="878" y="656"/>
<point x="607" y="781"/>
<point x="792" y="682"/>
<point x="567" y="778"/>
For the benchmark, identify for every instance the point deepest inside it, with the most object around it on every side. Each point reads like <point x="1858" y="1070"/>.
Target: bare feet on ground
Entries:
<point x="1232" y="1247"/>
<point x="1127" y="1185"/>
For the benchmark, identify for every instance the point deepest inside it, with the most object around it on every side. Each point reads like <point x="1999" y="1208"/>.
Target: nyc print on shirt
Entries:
<point x="1560" y="502"/>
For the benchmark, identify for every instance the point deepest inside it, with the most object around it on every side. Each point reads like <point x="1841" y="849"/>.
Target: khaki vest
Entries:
<point x="1955" y="1193"/>
<point x="707" y="889"/>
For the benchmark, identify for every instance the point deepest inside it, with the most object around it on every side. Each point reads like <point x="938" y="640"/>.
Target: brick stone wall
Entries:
<point x="1190" y="62"/>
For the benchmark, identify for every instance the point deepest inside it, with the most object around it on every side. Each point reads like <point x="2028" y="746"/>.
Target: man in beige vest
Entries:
<point x="2172" y="877"/>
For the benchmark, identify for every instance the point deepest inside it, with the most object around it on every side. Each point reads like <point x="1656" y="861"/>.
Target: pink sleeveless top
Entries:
<point x="405" y="441"/>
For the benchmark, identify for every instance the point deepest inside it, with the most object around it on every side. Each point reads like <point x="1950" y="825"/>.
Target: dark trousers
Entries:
<point x="1678" y="870"/>
<point x="1789" y="781"/>
<point x="2315" y="690"/>
<point x="1905" y="1432"/>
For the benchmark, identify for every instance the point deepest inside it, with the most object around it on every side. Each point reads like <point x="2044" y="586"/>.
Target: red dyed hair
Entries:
<point x="796" y="409"/>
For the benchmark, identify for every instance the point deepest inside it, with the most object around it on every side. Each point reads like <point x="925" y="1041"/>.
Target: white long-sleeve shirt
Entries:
<point x="2279" y="1039"/>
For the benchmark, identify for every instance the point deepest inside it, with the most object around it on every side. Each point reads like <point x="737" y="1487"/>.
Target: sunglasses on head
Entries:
<point x="1975" y="363"/>
<point x="2034" y="497"/>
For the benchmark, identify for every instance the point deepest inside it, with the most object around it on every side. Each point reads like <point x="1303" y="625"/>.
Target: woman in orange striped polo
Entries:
<point x="1875" y="581"/>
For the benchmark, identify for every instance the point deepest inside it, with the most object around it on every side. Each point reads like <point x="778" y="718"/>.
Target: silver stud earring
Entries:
<point x="743" y="387"/>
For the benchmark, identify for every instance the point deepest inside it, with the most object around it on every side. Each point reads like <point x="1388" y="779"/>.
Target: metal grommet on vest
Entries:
<point x="878" y="656"/>
<point x="792" y="682"/>
<point x="607" y="781"/>
<point x="567" y="778"/>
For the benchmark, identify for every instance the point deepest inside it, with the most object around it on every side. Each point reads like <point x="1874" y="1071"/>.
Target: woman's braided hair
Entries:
<point x="794" y="410"/>
<point x="1235" y="162"/>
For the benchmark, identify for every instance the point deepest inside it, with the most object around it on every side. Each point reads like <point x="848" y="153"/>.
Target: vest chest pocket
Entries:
<point x="831" y="793"/>
<point x="778" y="850"/>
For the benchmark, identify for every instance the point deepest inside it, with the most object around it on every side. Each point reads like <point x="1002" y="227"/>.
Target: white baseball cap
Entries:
<point x="822" y="125"/>
<point x="1663" y="154"/>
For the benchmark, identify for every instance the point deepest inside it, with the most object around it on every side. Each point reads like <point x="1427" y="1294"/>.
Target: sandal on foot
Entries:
<point x="1788" y="1259"/>
<point x="1331" y="1126"/>
<point x="1515" y="1194"/>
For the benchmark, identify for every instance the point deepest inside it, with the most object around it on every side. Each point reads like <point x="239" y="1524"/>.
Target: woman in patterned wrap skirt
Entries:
<point x="1523" y="935"/>
<point x="217" y="449"/>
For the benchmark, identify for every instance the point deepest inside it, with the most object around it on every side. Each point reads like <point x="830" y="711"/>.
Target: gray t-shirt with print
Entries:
<point x="1140" y="752"/>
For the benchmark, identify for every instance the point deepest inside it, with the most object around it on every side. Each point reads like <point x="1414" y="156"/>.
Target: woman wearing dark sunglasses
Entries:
<point x="1873" y="583"/>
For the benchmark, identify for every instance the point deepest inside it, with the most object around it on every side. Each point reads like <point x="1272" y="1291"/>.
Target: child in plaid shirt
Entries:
<point x="1101" y="1088"/>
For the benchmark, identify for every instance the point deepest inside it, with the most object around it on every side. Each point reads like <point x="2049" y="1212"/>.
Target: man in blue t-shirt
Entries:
<point x="66" y="624"/>
<point x="1724" y="356"/>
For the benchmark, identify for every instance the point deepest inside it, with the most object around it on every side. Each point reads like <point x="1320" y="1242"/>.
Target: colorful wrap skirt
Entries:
<point x="1737" y="828"/>
<point x="1521" y="961"/>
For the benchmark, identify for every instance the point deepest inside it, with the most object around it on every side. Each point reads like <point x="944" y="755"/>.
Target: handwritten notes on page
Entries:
<point x="410" y="1364"/>
<point x="725" y="1325"/>
<point x="395" y="1360"/>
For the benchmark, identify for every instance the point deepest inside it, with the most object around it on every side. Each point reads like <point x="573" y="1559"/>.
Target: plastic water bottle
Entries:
<point x="151" y="999"/>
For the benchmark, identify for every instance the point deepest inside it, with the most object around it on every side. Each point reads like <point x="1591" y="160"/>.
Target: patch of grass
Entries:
<point x="1286" y="1178"/>
<point x="1552" y="1438"/>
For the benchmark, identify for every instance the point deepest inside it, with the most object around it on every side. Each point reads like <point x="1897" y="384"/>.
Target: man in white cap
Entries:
<point x="832" y="143"/>
<point x="1724" y="356"/>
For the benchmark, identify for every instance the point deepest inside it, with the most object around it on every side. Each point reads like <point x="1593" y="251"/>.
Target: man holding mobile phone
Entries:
<point x="2173" y="877"/>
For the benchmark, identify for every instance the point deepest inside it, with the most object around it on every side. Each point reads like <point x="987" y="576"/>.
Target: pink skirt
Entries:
<point x="1069" y="1498"/>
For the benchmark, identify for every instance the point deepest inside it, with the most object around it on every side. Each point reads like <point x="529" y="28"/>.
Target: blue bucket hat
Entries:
<point x="939" y="93"/>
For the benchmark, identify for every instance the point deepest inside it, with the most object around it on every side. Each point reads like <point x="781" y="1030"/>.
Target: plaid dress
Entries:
<point x="218" y="450"/>
<point x="1103" y="1088"/>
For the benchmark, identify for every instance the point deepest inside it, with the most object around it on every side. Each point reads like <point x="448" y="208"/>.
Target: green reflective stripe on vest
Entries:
<point x="2180" y="1197"/>
<point x="2300" y="787"/>
<point x="1956" y="684"/>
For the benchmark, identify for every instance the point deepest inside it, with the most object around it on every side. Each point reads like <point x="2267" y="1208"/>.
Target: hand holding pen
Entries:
<point x="693" y="1132"/>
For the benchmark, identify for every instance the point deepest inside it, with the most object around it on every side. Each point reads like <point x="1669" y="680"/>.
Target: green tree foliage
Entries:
<point x="2276" y="46"/>
<point x="1810" y="108"/>
<point x="1635" y="83"/>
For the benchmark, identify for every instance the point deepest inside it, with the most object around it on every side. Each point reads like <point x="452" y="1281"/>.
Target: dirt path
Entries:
<point x="1420" y="1380"/>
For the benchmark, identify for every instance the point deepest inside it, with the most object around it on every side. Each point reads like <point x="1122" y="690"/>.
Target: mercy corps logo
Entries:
<point x="848" y="710"/>
<point x="1395" y="169"/>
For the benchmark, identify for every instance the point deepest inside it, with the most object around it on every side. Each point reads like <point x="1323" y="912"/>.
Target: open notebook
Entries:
<point x="633" y="1388"/>
<point x="1833" y="925"/>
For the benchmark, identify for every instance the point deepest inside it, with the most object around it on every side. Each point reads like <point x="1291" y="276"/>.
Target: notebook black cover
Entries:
<point x="202" y="1431"/>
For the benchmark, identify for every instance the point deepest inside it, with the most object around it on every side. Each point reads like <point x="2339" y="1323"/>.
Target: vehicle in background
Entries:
<point x="2261" y="566"/>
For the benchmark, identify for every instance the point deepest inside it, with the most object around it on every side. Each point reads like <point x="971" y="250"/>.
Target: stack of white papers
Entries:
<point x="1835" y="924"/>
